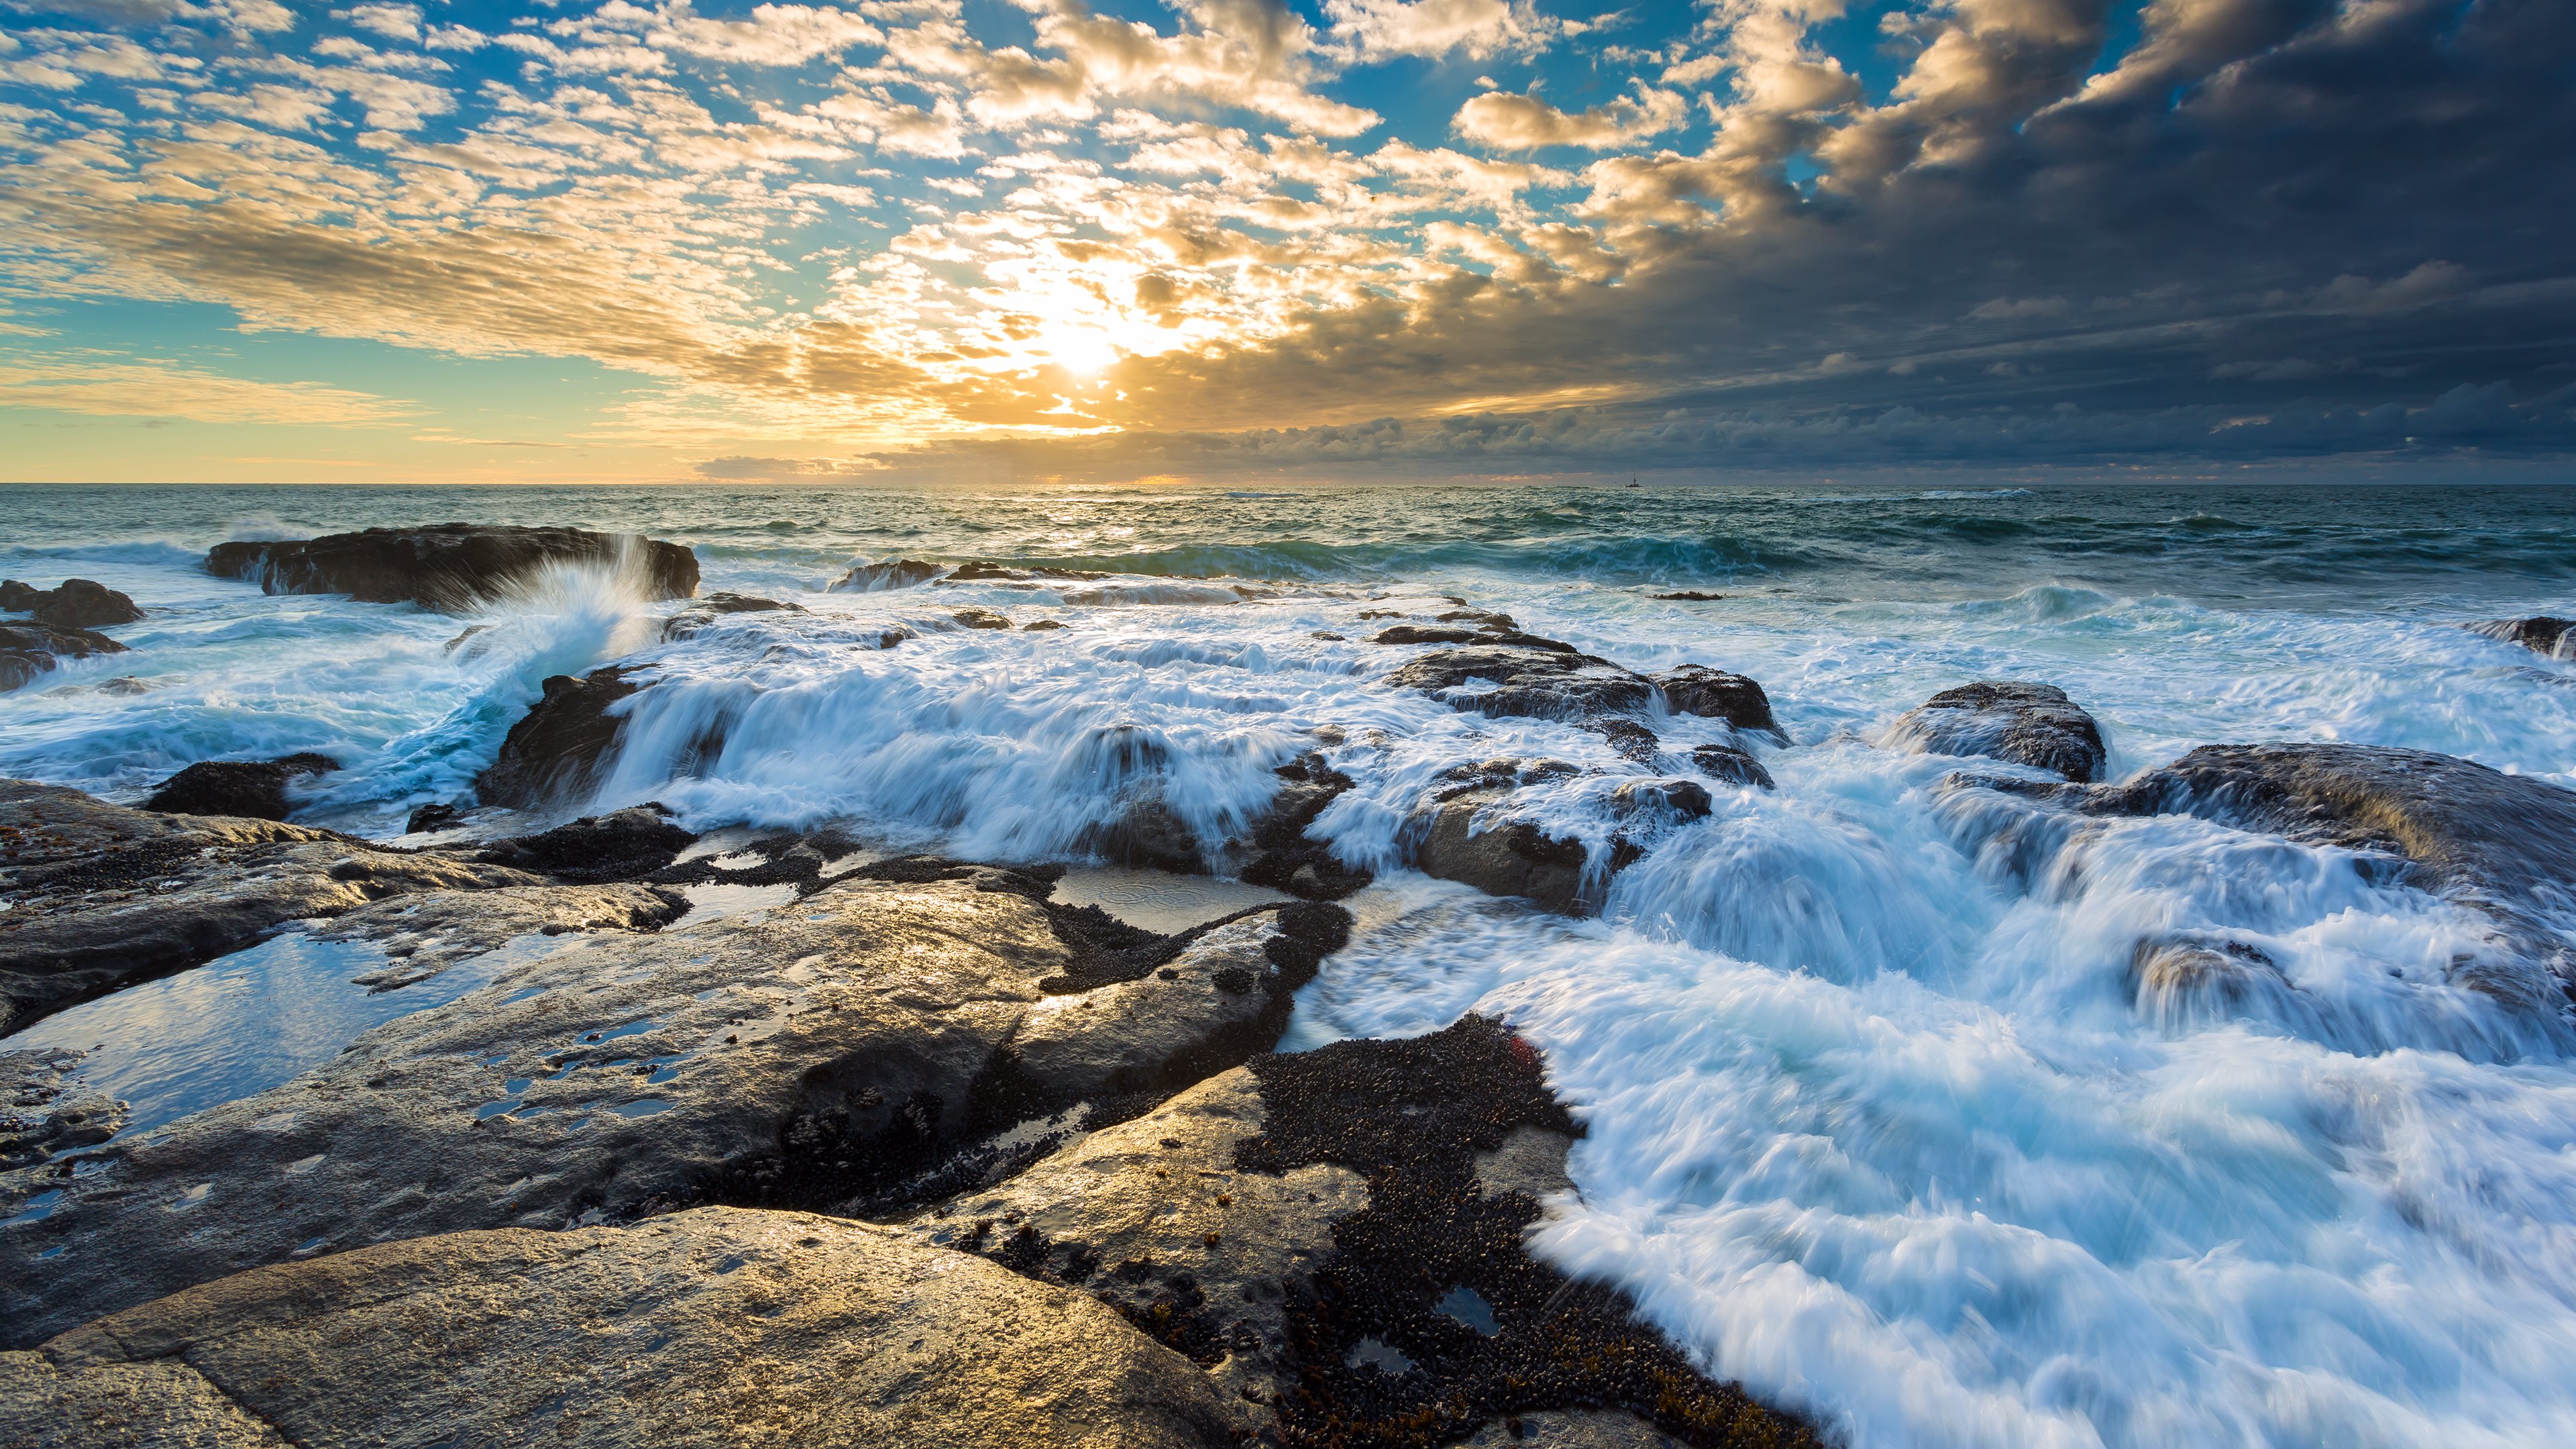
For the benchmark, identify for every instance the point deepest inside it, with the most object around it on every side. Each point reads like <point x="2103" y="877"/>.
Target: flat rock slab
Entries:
<point x="100" y="895"/>
<point x="2026" y="724"/>
<point x="853" y="1037"/>
<point x="447" y="566"/>
<point x="718" y="1327"/>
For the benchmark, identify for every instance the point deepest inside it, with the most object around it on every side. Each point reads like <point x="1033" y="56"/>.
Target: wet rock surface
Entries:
<point x="100" y="895"/>
<point x="44" y="1109"/>
<point x="554" y="752"/>
<point x="982" y="619"/>
<point x="1547" y="680"/>
<point x="447" y="566"/>
<point x="1696" y="689"/>
<point x="31" y="649"/>
<point x="1731" y="765"/>
<point x="714" y="1327"/>
<point x="71" y="604"/>
<point x="825" y="1049"/>
<point x="2503" y="843"/>
<point x="2027" y="724"/>
<point x="1336" y="1237"/>
<point x="425" y="933"/>
<point x="1470" y="838"/>
<point x="251" y="789"/>
<point x="2541" y="633"/>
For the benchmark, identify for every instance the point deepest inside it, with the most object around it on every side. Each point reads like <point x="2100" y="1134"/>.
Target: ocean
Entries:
<point x="1877" y="1121"/>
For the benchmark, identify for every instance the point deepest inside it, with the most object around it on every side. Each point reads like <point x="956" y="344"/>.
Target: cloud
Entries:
<point x="1473" y="29"/>
<point x="165" y="390"/>
<point x="1510" y="122"/>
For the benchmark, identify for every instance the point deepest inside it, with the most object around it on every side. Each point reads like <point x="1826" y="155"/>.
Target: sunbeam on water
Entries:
<point x="1951" y="1117"/>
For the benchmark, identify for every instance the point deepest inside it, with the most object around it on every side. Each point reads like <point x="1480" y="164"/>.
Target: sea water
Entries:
<point x="1877" y="1119"/>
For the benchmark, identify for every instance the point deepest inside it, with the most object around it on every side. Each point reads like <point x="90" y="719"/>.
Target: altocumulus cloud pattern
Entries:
<point x="817" y="240"/>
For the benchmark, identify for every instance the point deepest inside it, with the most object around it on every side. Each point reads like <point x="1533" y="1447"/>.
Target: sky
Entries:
<point x="245" y="240"/>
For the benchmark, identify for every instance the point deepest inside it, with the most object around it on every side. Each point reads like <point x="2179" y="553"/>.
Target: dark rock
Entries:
<point x="1327" y="636"/>
<point x="719" y="1327"/>
<point x="695" y="619"/>
<point x="893" y="573"/>
<point x="1661" y="801"/>
<point x="251" y="789"/>
<point x="2027" y="724"/>
<point x="1549" y="680"/>
<point x="102" y="895"/>
<point x="1148" y="834"/>
<point x="554" y="751"/>
<point x="1039" y="625"/>
<point x="1281" y="855"/>
<point x="982" y="619"/>
<point x="1482" y="619"/>
<point x="624" y="844"/>
<point x="2541" y="634"/>
<point x="2182" y="981"/>
<point x="433" y="817"/>
<point x="73" y="604"/>
<point x="45" y="1109"/>
<point x="445" y="566"/>
<point x="1697" y="689"/>
<point x="1632" y="740"/>
<point x="1732" y="765"/>
<point x="1688" y="596"/>
<point x="1502" y="857"/>
<point x="27" y="650"/>
<point x="1458" y="780"/>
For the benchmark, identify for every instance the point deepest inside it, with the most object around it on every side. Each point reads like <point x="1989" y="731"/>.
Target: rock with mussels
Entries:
<point x="1336" y="1238"/>
<point x="717" y="1327"/>
<point x="100" y="895"/>
<point x="71" y="604"/>
<point x="448" y="566"/>
<point x="2027" y="724"/>
<point x="822" y="1051"/>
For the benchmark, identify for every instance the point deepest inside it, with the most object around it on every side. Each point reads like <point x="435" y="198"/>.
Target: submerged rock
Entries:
<point x="820" y="1051"/>
<point x="1732" y="765"/>
<point x="703" y="614"/>
<point x="1336" y="1237"/>
<point x="100" y="895"/>
<point x="251" y="789"/>
<point x="72" y="604"/>
<point x="30" y="649"/>
<point x="982" y="619"/>
<point x="2027" y="724"/>
<point x="718" y="1327"/>
<point x="446" y="566"/>
<point x="554" y="752"/>
<point x="1279" y="853"/>
<point x="893" y="573"/>
<point x="2541" y="634"/>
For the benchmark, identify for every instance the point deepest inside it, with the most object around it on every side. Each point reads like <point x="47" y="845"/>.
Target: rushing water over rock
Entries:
<point x="1924" y="1088"/>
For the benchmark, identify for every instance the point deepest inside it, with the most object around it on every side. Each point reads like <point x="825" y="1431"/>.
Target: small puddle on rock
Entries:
<point x="244" y="1023"/>
<point x="1378" y="1354"/>
<point x="718" y="902"/>
<point x="1469" y="1307"/>
<point x="1156" y="900"/>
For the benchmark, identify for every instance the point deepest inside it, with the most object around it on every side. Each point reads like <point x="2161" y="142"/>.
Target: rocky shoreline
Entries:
<point x="913" y="1152"/>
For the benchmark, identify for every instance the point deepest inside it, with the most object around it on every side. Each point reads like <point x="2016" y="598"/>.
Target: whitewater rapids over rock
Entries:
<point x="1893" y="1113"/>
